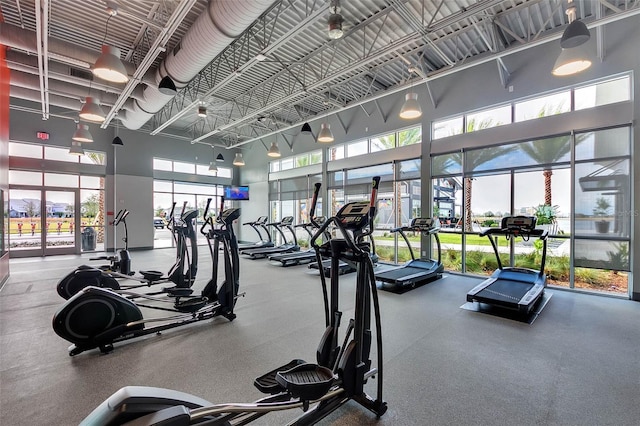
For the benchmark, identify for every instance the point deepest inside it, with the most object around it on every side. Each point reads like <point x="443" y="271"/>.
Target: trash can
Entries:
<point x="88" y="239"/>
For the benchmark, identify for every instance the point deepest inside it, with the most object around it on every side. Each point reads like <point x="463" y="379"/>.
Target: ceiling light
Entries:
<point x="574" y="35"/>
<point x="82" y="134"/>
<point x="238" y="161"/>
<point x="571" y="61"/>
<point x="325" y="135"/>
<point x="213" y="167"/>
<point x="109" y="66"/>
<point x="117" y="141"/>
<point x="274" y="151"/>
<point x="92" y="111"/>
<point x="167" y="86"/>
<point x="261" y="57"/>
<point x="411" y="107"/>
<point x="220" y="158"/>
<point x="202" y="111"/>
<point x="76" y="148"/>
<point x="306" y="129"/>
<point x="335" y="20"/>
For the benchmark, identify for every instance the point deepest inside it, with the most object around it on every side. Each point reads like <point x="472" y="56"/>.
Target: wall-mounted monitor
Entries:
<point x="236" y="193"/>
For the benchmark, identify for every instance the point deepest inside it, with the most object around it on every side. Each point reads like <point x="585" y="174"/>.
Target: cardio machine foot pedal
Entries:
<point x="267" y="382"/>
<point x="151" y="276"/>
<point x="178" y="291"/>
<point x="191" y="305"/>
<point x="306" y="381"/>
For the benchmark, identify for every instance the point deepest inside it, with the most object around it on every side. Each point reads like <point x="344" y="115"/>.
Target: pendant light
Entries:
<point x="574" y="57"/>
<point x="220" y="158"/>
<point x="335" y="21"/>
<point x="325" y="135"/>
<point x="411" y="108"/>
<point x="238" y="161"/>
<point x="82" y="134"/>
<point x="274" y="151"/>
<point x="167" y="86"/>
<point x="92" y="111"/>
<point x="202" y="111"/>
<point x="117" y="140"/>
<point x="212" y="164"/>
<point x="306" y="129"/>
<point x="76" y="148"/>
<point x="109" y="66"/>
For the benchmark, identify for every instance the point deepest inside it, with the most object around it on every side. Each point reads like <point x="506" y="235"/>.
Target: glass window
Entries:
<point x="19" y="177"/>
<point x="383" y="142"/>
<point x="181" y="167"/>
<point x="357" y="148"/>
<point x="447" y="164"/>
<point x="489" y="118"/>
<point x="301" y="160"/>
<point x="336" y="152"/>
<point x="162" y="186"/>
<point x="286" y="164"/>
<point x="57" y="179"/>
<point x="446" y="128"/>
<point x="203" y="170"/>
<point x="159" y="164"/>
<point x="225" y="172"/>
<point x="410" y="136"/>
<point x="25" y="150"/>
<point x="59" y="154"/>
<point x="545" y="106"/>
<point x="409" y="169"/>
<point x="187" y="188"/>
<point x="92" y="182"/>
<point x="606" y="92"/>
<point x="315" y="157"/>
<point x="603" y="143"/>
<point x="274" y="166"/>
<point x="93" y="157"/>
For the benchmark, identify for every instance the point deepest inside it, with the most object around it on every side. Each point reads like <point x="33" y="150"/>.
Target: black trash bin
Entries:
<point x="88" y="239"/>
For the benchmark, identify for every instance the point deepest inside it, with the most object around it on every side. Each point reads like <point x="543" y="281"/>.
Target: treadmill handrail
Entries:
<point x="540" y="233"/>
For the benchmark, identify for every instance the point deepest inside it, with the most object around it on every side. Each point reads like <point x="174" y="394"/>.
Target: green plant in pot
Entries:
<point x="602" y="209"/>
<point x="546" y="214"/>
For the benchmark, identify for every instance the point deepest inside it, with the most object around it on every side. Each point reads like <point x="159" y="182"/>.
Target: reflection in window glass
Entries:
<point x="19" y="177"/>
<point x="489" y="118"/>
<point x="301" y="160"/>
<point x="557" y="103"/>
<point x="446" y="164"/>
<point x="181" y="167"/>
<point x="92" y="182"/>
<point x="59" y="154"/>
<point x="446" y="128"/>
<point x="57" y="179"/>
<point x="604" y="93"/>
<point x="410" y="136"/>
<point x="159" y="164"/>
<point x="336" y="152"/>
<point x="357" y="148"/>
<point x="383" y="143"/>
<point x="28" y="150"/>
<point x="93" y="157"/>
<point x="603" y="143"/>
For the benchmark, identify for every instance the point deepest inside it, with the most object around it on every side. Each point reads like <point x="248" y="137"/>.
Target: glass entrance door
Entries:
<point x="42" y="222"/>
<point x="59" y="223"/>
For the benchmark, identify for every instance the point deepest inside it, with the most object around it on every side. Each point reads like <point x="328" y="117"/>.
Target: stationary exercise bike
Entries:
<point x="97" y="317"/>
<point x="182" y="273"/>
<point x="318" y="389"/>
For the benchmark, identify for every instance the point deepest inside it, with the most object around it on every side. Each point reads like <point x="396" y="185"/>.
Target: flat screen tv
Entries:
<point x="236" y="193"/>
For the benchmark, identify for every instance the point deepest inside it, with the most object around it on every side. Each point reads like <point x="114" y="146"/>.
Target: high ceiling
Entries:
<point x="272" y="73"/>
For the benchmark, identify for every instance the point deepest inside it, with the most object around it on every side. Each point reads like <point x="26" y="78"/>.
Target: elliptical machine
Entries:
<point x="97" y="317"/>
<point x="338" y="377"/>
<point x="182" y="273"/>
<point x="120" y="262"/>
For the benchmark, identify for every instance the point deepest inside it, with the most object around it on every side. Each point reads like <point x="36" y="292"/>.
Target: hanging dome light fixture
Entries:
<point x="335" y="20"/>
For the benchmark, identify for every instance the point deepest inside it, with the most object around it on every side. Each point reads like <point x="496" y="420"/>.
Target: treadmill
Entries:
<point x="513" y="288"/>
<point x="286" y="247"/>
<point x="416" y="272"/>
<point x="262" y="242"/>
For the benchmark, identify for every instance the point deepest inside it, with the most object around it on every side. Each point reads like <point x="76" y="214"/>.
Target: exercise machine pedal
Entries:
<point x="267" y="383"/>
<point x="177" y="291"/>
<point x="190" y="305"/>
<point x="306" y="381"/>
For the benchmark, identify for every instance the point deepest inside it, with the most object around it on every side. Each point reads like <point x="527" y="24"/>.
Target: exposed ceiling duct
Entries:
<point x="209" y="35"/>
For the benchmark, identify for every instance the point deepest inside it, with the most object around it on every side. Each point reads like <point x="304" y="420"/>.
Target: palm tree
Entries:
<point x="98" y="158"/>
<point x="547" y="152"/>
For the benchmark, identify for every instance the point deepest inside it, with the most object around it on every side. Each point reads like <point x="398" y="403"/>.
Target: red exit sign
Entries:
<point x="43" y="136"/>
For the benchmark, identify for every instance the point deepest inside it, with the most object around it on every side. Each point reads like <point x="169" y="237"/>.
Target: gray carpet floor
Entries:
<point x="577" y="364"/>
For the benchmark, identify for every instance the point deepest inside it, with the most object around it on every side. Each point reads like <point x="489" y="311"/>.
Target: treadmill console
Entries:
<point x="520" y="224"/>
<point x="286" y="221"/>
<point x="422" y="224"/>
<point x="354" y="216"/>
<point x="229" y="215"/>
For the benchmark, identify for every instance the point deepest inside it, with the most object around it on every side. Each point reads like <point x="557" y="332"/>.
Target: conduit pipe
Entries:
<point x="209" y="35"/>
<point x="34" y="96"/>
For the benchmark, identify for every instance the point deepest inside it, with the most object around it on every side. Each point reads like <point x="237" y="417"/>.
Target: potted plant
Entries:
<point x="545" y="215"/>
<point x="602" y="209"/>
